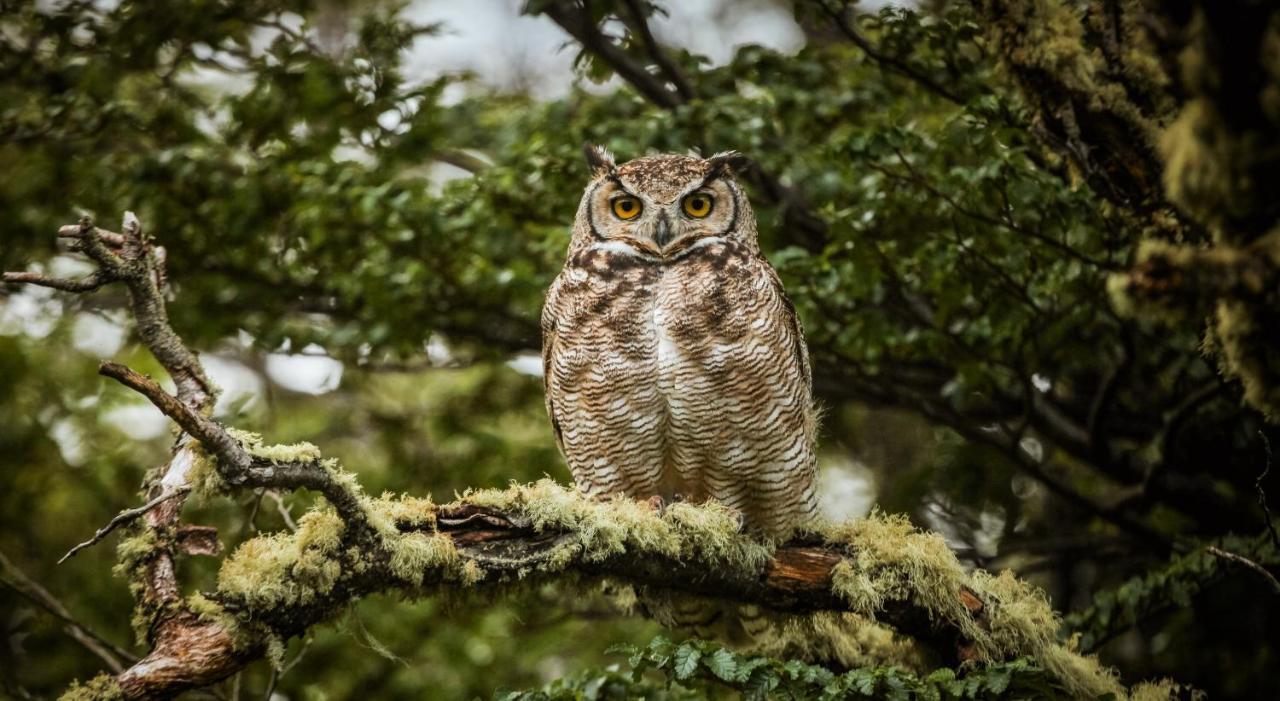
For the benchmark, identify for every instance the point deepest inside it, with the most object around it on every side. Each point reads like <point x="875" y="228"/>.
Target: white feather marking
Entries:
<point x="615" y="246"/>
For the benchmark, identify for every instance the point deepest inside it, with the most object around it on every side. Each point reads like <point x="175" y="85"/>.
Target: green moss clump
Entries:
<point x="614" y="525"/>
<point x="389" y="513"/>
<point x="1049" y="36"/>
<point x="135" y="551"/>
<point x="415" y="554"/>
<point x="210" y="611"/>
<point x="1245" y="337"/>
<point x="292" y="453"/>
<point x="101" y="688"/>
<point x="286" y="569"/>
<point x="891" y="560"/>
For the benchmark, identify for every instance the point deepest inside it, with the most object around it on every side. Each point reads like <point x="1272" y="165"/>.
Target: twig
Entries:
<point x="1262" y="494"/>
<point x="126" y="516"/>
<point x="111" y="654"/>
<point x="640" y="25"/>
<point x="1242" y="560"/>
<point x="840" y="19"/>
<point x="283" y="510"/>
<point x="87" y="283"/>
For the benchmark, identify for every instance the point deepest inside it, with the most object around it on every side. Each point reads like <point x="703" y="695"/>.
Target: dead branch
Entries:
<point x="87" y="283"/>
<point x="126" y="516"/>
<point x="1242" y="560"/>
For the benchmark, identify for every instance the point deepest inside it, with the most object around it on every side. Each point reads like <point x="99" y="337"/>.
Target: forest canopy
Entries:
<point x="276" y="291"/>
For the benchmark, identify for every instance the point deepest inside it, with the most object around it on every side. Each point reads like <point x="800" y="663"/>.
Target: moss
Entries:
<point x="415" y="554"/>
<point x="203" y="474"/>
<point x="1205" y="165"/>
<point x="1160" y="691"/>
<point x="132" y="555"/>
<point x="101" y="688"/>
<point x="210" y="611"/>
<point x="292" y="453"/>
<point x="888" y="560"/>
<point x="844" y="640"/>
<point x="135" y="551"/>
<point x="286" y="569"/>
<point x="891" y="560"/>
<point x="1049" y="36"/>
<point x="388" y="514"/>
<point x="614" y="525"/>
<point x="1245" y="334"/>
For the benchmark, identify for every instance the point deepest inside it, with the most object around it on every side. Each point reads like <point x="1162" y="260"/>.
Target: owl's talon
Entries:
<point x="740" y="517"/>
<point x="656" y="503"/>
<point x="677" y="498"/>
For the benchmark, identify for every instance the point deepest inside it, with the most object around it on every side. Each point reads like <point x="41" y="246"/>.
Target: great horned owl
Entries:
<point x="675" y="365"/>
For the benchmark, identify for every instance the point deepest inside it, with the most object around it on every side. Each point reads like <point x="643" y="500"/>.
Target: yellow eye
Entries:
<point x="697" y="205"/>
<point x="626" y="207"/>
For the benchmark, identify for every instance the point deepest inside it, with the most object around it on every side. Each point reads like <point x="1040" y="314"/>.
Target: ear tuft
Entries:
<point x="731" y="161"/>
<point x="599" y="160"/>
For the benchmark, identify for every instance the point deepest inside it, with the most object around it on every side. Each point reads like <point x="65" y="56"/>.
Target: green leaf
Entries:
<point x="722" y="664"/>
<point x="686" y="661"/>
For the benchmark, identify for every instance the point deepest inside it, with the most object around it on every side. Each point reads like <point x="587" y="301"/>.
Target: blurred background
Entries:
<point x="361" y="203"/>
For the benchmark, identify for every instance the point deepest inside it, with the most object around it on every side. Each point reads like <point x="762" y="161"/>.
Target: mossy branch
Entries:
<point x="279" y="585"/>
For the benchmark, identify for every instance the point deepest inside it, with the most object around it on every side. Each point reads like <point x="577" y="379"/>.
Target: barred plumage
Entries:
<point x="675" y="365"/>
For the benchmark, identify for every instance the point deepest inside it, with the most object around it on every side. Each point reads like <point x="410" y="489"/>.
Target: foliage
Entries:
<point x="956" y="198"/>
<point x="699" y="669"/>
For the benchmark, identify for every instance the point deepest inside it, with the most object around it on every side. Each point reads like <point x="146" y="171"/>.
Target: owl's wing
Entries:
<point x="792" y="320"/>
<point x="550" y="315"/>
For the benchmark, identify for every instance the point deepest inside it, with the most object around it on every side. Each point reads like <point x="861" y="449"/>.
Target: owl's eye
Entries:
<point x="626" y="207"/>
<point x="697" y="205"/>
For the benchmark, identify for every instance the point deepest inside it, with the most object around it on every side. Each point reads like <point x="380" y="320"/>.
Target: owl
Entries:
<point x="675" y="365"/>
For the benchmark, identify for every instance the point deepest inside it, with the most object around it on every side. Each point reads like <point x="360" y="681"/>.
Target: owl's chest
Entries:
<point x="663" y="323"/>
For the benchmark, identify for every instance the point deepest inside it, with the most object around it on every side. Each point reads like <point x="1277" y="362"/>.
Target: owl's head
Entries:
<point x="662" y="205"/>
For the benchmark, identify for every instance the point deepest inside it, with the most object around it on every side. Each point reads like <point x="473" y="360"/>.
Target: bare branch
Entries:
<point x="87" y="283"/>
<point x="460" y="159"/>
<point x="1242" y="560"/>
<point x="126" y="516"/>
<point x="78" y="231"/>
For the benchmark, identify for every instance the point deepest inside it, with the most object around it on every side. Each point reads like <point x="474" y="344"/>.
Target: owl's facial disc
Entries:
<point x="666" y="218"/>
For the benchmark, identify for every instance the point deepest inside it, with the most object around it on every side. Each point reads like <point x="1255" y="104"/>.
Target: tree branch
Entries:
<point x="636" y="22"/>
<point x="87" y="283"/>
<point x="1242" y="560"/>
<point x="126" y="516"/>
<point x="840" y="18"/>
<point x="577" y="21"/>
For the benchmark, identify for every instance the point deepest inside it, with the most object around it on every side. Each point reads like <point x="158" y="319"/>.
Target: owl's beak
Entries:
<point x="662" y="233"/>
